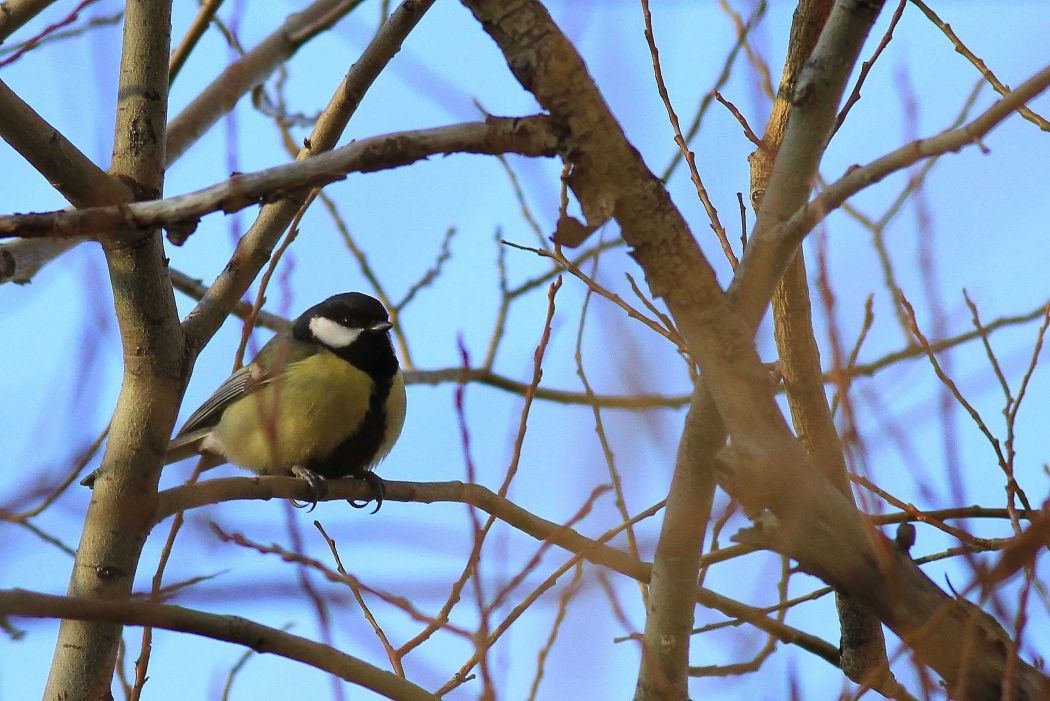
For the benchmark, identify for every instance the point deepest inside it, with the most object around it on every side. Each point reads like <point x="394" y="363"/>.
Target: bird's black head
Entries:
<point x="355" y="327"/>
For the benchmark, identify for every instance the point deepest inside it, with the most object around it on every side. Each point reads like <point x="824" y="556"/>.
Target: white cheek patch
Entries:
<point x="331" y="333"/>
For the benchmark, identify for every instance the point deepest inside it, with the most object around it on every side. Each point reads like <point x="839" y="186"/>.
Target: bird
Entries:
<point x="323" y="399"/>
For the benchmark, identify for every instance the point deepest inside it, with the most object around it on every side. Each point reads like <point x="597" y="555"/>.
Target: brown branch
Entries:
<point x="237" y="79"/>
<point x="1004" y="464"/>
<point x="980" y="65"/>
<point x="214" y="491"/>
<point x="492" y="379"/>
<point x="690" y="157"/>
<point x="232" y="629"/>
<point x="676" y="562"/>
<point x="862" y="646"/>
<point x="530" y="136"/>
<point x="915" y="350"/>
<point x="723" y="77"/>
<point x="748" y="133"/>
<point x="64" y="166"/>
<point x="155" y="368"/>
<point x="193" y="34"/>
<point x="255" y="246"/>
<point x="795" y="228"/>
<point x="15" y="13"/>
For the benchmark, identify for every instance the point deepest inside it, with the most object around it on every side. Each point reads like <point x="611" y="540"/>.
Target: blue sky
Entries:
<point x="985" y="231"/>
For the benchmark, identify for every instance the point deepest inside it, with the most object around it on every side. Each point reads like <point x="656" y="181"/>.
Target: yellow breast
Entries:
<point x="300" y="416"/>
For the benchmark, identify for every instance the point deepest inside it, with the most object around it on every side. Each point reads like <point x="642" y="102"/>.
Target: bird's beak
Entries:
<point x="380" y="327"/>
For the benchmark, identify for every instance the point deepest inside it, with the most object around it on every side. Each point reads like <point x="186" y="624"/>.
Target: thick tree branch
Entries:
<point x="529" y="136"/>
<point x="672" y="591"/>
<point x="124" y="498"/>
<point x="232" y="629"/>
<point x="862" y="645"/>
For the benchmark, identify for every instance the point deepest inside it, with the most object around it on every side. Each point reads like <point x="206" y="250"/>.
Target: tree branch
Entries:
<point x="232" y="629"/>
<point x="254" y="248"/>
<point x="155" y="368"/>
<point x="862" y="645"/>
<point x="251" y="69"/>
<point x="191" y="496"/>
<point x="15" y="13"/>
<point x="815" y="523"/>
<point x="791" y="232"/>
<point x="529" y="136"/>
<point x="672" y="591"/>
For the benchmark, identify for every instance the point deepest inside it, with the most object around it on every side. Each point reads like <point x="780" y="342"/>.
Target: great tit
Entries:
<point x="323" y="399"/>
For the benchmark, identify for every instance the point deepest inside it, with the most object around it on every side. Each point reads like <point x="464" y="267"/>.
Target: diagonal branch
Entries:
<point x="255" y="246"/>
<point x="22" y="259"/>
<point x="64" y="166"/>
<point x="789" y="234"/>
<point x="237" y="79"/>
<point x="15" y="13"/>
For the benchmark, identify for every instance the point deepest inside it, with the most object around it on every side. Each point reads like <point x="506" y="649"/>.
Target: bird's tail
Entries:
<point x="185" y="446"/>
<point x="180" y="448"/>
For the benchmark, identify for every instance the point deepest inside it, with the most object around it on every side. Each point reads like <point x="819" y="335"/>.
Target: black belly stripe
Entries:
<point x="353" y="456"/>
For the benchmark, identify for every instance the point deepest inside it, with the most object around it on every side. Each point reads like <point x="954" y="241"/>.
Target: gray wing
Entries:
<point x="240" y="384"/>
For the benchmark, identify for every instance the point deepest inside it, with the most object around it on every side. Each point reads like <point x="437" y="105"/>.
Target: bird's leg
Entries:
<point x="318" y="485"/>
<point x="378" y="490"/>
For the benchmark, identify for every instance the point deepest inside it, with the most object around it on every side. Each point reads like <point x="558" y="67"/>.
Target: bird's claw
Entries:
<point x="378" y="491"/>
<point x="318" y="487"/>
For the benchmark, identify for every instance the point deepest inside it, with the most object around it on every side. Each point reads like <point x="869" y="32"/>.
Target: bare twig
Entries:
<point x="49" y="29"/>
<point x="980" y="65"/>
<point x="220" y="96"/>
<point x="196" y="29"/>
<point x="690" y="157"/>
<point x="865" y="67"/>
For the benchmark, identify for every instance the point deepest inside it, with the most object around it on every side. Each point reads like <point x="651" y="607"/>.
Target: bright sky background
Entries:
<point x="986" y="232"/>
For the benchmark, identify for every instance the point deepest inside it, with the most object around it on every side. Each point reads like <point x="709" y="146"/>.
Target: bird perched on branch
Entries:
<point x="323" y="399"/>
